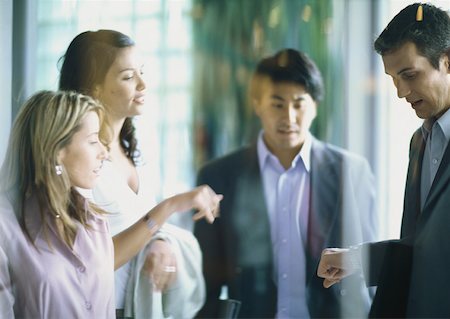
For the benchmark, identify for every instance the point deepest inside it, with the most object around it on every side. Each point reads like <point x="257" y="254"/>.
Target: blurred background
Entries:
<point x="199" y="55"/>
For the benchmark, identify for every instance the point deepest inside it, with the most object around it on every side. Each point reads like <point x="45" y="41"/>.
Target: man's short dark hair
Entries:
<point x="290" y="66"/>
<point x="431" y="35"/>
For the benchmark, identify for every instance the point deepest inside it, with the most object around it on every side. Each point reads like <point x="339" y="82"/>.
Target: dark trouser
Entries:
<point x="120" y="314"/>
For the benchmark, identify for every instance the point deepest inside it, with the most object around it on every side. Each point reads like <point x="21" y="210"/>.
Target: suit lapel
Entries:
<point x="324" y="193"/>
<point x="411" y="209"/>
<point x="250" y="217"/>
<point x="440" y="181"/>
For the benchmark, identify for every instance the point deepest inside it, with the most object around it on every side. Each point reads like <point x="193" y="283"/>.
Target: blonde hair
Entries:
<point x="46" y="124"/>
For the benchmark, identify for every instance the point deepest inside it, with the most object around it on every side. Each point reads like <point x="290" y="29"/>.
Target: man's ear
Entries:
<point x="255" y="105"/>
<point x="446" y="58"/>
<point x="316" y="106"/>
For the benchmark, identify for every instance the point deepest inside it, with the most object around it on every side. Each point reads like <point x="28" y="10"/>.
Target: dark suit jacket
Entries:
<point x="423" y="259"/>
<point x="237" y="248"/>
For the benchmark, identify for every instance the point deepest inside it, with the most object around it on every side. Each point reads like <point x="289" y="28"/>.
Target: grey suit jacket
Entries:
<point x="237" y="248"/>
<point x="425" y="261"/>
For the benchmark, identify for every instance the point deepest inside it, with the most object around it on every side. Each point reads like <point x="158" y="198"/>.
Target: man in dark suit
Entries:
<point x="412" y="273"/>
<point x="285" y="198"/>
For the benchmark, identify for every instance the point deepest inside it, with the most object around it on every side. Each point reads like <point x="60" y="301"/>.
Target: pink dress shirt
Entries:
<point x="54" y="281"/>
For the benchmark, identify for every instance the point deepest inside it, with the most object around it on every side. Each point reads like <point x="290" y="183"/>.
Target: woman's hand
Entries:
<point x="161" y="265"/>
<point x="203" y="200"/>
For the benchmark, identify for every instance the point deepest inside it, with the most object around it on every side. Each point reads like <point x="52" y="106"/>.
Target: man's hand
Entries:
<point x="161" y="265"/>
<point x="336" y="264"/>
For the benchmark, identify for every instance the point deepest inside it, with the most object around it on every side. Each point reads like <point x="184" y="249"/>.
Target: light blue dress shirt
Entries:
<point x="436" y="134"/>
<point x="287" y="194"/>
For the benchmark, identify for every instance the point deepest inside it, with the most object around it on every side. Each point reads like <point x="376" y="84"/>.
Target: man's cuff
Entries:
<point x="355" y="257"/>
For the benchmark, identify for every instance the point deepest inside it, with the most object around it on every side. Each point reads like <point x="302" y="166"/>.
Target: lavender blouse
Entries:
<point x="56" y="281"/>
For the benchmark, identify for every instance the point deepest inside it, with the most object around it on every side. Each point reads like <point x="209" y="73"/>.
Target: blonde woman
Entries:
<point x="57" y="258"/>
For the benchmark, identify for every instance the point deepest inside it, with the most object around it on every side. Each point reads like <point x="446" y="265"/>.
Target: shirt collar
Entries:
<point x="426" y="128"/>
<point x="443" y="122"/>
<point x="305" y="152"/>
